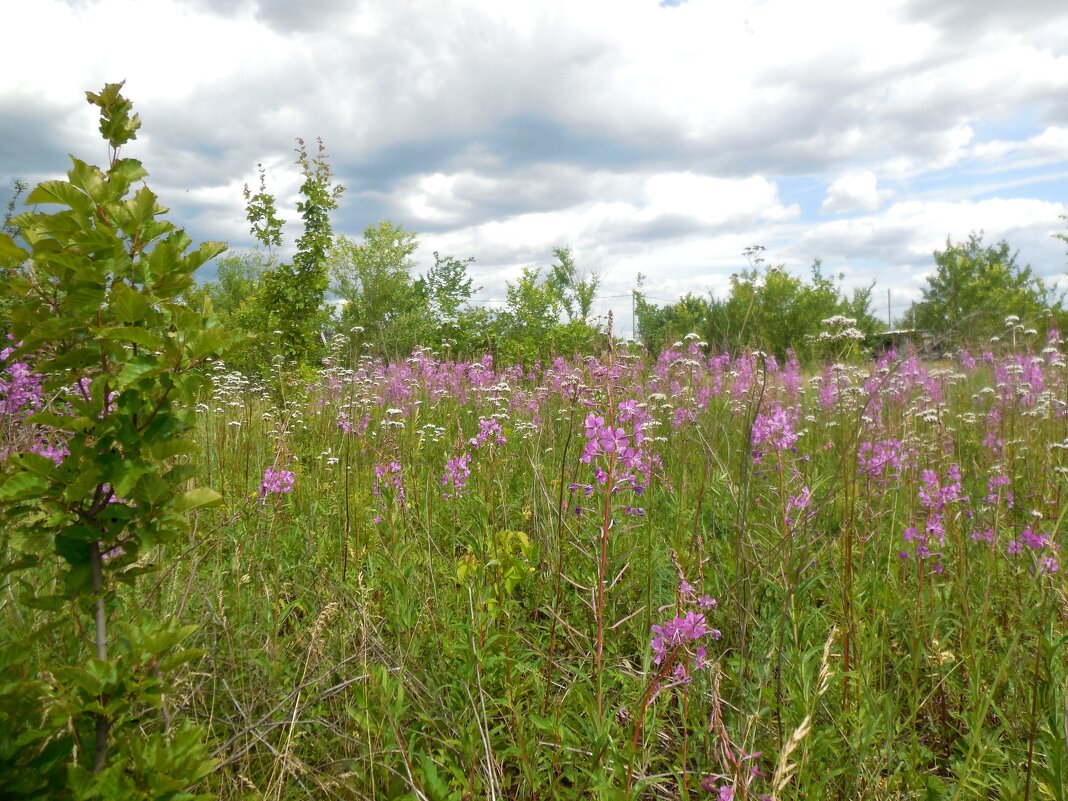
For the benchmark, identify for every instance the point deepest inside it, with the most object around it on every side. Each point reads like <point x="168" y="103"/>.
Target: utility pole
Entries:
<point x="633" y="328"/>
<point x="889" y="318"/>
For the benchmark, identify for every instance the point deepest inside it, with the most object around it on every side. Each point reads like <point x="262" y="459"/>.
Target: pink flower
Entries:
<point x="277" y="482"/>
<point x="457" y="471"/>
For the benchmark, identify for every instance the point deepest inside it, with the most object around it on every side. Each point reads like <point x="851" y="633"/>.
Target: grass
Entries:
<point x="366" y="636"/>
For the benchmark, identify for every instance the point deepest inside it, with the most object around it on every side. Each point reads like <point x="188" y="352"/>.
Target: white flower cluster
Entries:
<point x="838" y="321"/>
<point x="854" y="334"/>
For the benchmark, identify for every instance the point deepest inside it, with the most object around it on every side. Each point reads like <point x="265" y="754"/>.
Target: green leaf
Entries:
<point x="170" y="448"/>
<point x="135" y="369"/>
<point x="152" y="490"/>
<point x="143" y="207"/>
<point x="127" y="171"/>
<point x="208" y="343"/>
<point x="84" y="483"/>
<point x="64" y="193"/>
<point x="10" y="253"/>
<point x="21" y="485"/>
<point x="47" y="603"/>
<point x="127" y="476"/>
<point x="196" y="499"/>
<point x="36" y="464"/>
<point x="88" y="178"/>
<point x="104" y="673"/>
<point x="127" y="304"/>
<point x="136" y="336"/>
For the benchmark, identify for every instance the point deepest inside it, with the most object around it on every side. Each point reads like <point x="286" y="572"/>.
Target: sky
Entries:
<point x="653" y="137"/>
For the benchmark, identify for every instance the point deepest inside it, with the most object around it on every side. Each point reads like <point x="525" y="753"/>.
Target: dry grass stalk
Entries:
<point x="784" y="768"/>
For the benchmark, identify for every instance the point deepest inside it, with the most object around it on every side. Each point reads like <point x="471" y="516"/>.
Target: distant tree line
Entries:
<point x="766" y="309"/>
<point x="367" y="294"/>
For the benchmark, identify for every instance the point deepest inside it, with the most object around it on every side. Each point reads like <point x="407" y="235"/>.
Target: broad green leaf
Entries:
<point x="49" y="603"/>
<point x="128" y="170"/>
<point x="196" y="499"/>
<point x="10" y="253"/>
<point x="127" y="476"/>
<point x="65" y="193"/>
<point x="137" y="336"/>
<point x="135" y="369"/>
<point x="36" y="464"/>
<point x="152" y="489"/>
<point x="50" y="418"/>
<point x="84" y="484"/>
<point x="168" y="449"/>
<point x="143" y="207"/>
<point x="89" y="178"/>
<point x="208" y="343"/>
<point x="22" y="485"/>
<point x="127" y="304"/>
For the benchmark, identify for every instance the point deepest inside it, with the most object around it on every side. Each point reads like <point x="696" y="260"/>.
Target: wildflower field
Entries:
<point x="708" y="575"/>
<point x="704" y="574"/>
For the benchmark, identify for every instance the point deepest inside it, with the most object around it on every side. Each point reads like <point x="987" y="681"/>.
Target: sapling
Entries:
<point x="119" y="358"/>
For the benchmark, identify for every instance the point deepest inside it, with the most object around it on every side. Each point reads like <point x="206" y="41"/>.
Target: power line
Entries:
<point x="595" y="297"/>
<point x="895" y="303"/>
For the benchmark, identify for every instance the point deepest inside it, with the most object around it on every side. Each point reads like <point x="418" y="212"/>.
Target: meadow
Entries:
<point x="702" y="576"/>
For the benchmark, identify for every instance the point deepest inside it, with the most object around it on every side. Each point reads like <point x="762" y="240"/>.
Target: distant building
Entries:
<point x="909" y="340"/>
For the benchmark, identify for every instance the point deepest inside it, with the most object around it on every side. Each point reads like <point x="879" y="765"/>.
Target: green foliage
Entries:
<point x="102" y="320"/>
<point x="575" y="291"/>
<point x="659" y="326"/>
<point x="237" y="298"/>
<point x="501" y="565"/>
<point x="388" y="311"/>
<point x="767" y="309"/>
<point x="263" y="215"/>
<point x="775" y="311"/>
<point x="530" y="326"/>
<point x="374" y="280"/>
<point x="237" y="282"/>
<point x="319" y="199"/>
<point x="293" y="294"/>
<point x="449" y="288"/>
<point x="975" y="287"/>
<point x="459" y="328"/>
<point x="8" y="299"/>
<point x="18" y="188"/>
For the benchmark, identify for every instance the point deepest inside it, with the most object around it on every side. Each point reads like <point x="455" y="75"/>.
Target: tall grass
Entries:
<point x="442" y="610"/>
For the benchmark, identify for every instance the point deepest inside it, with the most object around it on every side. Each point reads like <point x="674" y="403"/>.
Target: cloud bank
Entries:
<point x="660" y="138"/>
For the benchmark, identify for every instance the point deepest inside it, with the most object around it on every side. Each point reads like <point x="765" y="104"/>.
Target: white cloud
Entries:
<point x="854" y="191"/>
<point x="1048" y="147"/>
<point x="712" y="201"/>
<point x="661" y="140"/>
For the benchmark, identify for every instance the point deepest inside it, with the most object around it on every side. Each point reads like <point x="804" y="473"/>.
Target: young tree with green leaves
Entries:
<point x="772" y="310"/>
<point x="576" y="289"/>
<point x="8" y="299"/>
<point x="975" y="287"/>
<point x="293" y="294"/>
<point x="458" y="327"/>
<point x="373" y="277"/>
<point x="449" y="287"/>
<point x="118" y="357"/>
<point x="262" y="212"/>
<point x="531" y="328"/>
<point x="659" y="327"/>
